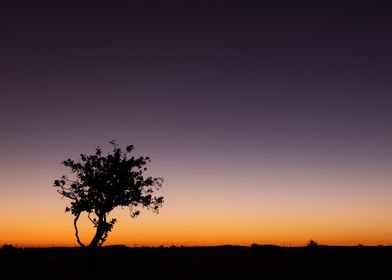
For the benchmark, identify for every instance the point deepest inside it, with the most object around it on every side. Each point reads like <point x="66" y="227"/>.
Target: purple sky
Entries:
<point x="257" y="91"/>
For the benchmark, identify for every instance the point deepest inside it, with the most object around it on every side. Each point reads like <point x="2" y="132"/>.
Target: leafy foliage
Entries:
<point x="103" y="183"/>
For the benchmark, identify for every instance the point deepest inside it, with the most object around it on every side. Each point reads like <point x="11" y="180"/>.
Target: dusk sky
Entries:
<point x="269" y="121"/>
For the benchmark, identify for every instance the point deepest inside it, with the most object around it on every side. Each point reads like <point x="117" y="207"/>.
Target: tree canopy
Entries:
<point x="99" y="183"/>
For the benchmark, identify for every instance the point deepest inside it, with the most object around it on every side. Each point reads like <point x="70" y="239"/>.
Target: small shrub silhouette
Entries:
<point x="312" y="244"/>
<point x="8" y="247"/>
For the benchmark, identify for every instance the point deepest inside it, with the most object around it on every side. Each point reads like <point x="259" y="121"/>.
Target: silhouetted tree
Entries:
<point x="102" y="183"/>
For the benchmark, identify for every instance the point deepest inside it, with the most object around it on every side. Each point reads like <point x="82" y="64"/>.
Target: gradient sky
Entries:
<point x="270" y="122"/>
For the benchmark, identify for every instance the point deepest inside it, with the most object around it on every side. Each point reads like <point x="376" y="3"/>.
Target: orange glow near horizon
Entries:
<point x="153" y="231"/>
<point x="214" y="210"/>
<point x="48" y="225"/>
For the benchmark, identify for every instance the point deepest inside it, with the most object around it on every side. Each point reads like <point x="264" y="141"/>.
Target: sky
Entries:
<point x="270" y="121"/>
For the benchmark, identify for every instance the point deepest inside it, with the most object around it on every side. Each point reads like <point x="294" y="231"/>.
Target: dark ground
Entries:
<point x="224" y="262"/>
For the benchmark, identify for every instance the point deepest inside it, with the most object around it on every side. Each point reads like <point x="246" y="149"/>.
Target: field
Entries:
<point x="223" y="262"/>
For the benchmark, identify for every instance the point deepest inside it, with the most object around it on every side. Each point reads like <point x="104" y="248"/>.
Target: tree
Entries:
<point x="101" y="183"/>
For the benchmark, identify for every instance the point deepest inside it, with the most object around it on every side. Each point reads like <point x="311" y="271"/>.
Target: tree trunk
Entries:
<point x="99" y="233"/>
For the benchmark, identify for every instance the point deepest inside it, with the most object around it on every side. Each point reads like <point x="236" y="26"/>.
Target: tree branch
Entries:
<point x="76" y="230"/>
<point x="94" y="223"/>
